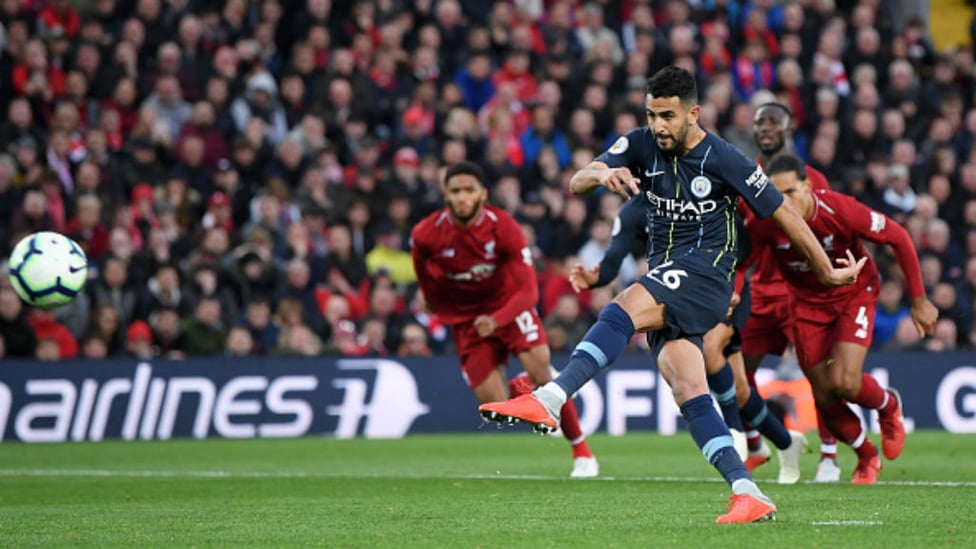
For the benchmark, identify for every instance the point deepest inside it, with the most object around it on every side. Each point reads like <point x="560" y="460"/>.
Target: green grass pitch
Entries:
<point x="486" y="489"/>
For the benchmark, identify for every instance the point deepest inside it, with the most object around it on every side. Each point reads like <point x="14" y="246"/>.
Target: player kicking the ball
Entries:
<point x="689" y="181"/>
<point x="476" y="273"/>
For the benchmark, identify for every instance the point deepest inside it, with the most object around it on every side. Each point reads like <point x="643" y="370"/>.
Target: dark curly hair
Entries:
<point x="674" y="82"/>
<point x="465" y="168"/>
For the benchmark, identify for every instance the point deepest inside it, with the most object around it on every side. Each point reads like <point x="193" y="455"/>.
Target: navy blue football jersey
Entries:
<point x="690" y="200"/>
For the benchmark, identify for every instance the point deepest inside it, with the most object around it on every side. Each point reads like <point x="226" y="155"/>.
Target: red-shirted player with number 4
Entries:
<point x="832" y="330"/>
<point x="476" y="273"/>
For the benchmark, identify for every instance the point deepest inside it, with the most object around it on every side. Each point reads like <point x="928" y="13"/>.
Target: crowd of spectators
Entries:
<point x="244" y="174"/>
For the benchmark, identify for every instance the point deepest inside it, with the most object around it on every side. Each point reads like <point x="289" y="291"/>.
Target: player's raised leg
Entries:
<point x="603" y="343"/>
<point x="536" y="362"/>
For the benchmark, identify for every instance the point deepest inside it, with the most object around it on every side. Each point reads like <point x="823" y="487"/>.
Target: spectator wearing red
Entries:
<point x="60" y="17"/>
<point x="757" y="28"/>
<point x="57" y="207"/>
<point x="716" y="57"/>
<point x="123" y="104"/>
<point x="219" y="213"/>
<point x="139" y="341"/>
<point x="46" y="327"/>
<point x="753" y="70"/>
<point x="202" y="124"/>
<point x="34" y="76"/>
<point x="516" y="70"/>
<point x="87" y="228"/>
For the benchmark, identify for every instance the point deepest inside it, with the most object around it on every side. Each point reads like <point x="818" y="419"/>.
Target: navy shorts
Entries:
<point x="695" y="295"/>
<point x="738" y="319"/>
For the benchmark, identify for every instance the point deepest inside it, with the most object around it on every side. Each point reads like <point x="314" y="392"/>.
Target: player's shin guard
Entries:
<point x="712" y="436"/>
<point x="602" y="344"/>
<point x="722" y="385"/>
<point x="757" y="414"/>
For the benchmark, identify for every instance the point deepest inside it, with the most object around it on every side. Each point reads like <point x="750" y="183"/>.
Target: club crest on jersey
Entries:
<point x="490" y="249"/>
<point x="701" y="186"/>
<point x="620" y="146"/>
<point x="828" y="243"/>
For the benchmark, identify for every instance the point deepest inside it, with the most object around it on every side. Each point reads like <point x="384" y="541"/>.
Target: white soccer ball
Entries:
<point x="48" y="269"/>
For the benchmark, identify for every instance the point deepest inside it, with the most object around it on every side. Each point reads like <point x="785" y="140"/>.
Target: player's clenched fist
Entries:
<point x="620" y="181"/>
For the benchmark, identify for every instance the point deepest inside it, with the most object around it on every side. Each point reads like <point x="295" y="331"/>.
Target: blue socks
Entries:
<point x="722" y="385"/>
<point x="713" y="438"/>
<point x="756" y="413"/>
<point x="602" y="344"/>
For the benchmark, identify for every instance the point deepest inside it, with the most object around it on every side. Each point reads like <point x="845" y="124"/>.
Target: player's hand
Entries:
<point x="485" y="325"/>
<point x="924" y="315"/>
<point x="846" y="273"/>
<point x="733" y="303"/>
<point x="582" y="278"/>
<point x="620" y="181"/>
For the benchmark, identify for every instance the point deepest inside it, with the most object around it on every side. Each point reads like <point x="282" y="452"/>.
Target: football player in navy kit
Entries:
<point x="690" y="181"/>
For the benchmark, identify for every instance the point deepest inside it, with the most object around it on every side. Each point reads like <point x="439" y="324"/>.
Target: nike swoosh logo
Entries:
<point x="649" y="173"/>
<point x="74" y="270"/>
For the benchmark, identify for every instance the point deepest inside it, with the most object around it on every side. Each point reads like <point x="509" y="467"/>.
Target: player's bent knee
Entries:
<point x="644" y="311"/>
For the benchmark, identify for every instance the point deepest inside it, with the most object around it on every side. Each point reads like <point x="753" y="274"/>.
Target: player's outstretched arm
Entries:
<point x="806" y="243"/>
<point x="598" y="174"/>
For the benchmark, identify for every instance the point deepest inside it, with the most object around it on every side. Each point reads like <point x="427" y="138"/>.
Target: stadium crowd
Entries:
<point x="244" y="174"/>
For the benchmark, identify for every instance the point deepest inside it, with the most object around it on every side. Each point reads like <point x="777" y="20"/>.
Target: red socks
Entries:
<point x="828" y="441"/>
<point x="844" y="423"/>
<point x="871" y="394"/>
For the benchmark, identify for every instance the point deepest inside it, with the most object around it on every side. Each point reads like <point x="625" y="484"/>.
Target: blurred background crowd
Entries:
<point x="244" y="174"/>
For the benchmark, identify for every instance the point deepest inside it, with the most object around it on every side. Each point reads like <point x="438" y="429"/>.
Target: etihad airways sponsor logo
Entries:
<point x="379" y="400"/>
<point x="681" y="210"/>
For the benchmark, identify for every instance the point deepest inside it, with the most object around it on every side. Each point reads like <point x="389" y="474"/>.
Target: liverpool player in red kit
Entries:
<point x="768" y="330"/>
<point x="832" y="326"/>
<point x="475" y="271"/>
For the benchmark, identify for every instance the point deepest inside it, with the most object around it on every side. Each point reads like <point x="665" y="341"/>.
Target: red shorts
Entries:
<point x="819" y="326"/>
<point x="480" y="356"/>
<point x="769" y="328"/>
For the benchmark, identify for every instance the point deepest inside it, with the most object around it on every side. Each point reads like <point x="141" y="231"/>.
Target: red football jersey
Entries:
<point x="767" y="284"/>
<point x="465" y="272"/>
<point x="839" y="222"/>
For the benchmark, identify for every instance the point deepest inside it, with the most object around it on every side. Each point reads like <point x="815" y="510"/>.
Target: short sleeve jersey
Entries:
<point x="469" y="271"/>
<point x="690" y="199"/>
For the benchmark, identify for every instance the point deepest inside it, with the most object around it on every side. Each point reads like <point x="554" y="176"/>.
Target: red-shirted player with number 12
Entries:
<point x="476" y="273"/>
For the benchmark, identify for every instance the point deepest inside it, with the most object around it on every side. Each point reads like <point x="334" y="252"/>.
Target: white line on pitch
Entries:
<point x="847" y="523"/>
<point x="120" y="473"/>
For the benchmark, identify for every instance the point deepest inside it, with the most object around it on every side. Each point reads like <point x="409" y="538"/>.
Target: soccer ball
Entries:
<point x="48" y="269"/>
